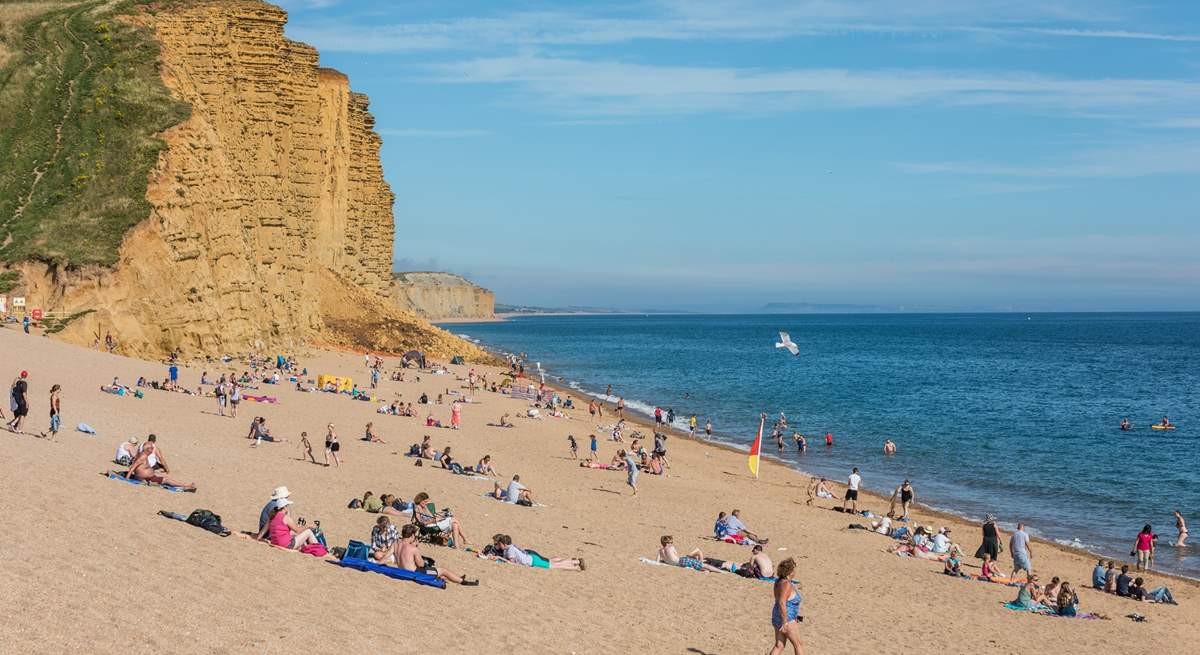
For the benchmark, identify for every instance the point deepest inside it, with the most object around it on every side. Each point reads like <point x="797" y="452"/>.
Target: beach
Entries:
<point x="92" y="567"/>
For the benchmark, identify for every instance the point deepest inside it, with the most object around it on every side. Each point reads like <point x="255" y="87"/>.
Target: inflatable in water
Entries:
<point x="1159" y="426"/>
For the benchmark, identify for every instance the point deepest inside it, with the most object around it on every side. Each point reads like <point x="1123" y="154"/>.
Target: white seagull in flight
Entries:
<point x="786" y="342"/>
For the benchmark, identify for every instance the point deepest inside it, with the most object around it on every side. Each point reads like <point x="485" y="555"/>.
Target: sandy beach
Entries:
<point x="91" y="567"/>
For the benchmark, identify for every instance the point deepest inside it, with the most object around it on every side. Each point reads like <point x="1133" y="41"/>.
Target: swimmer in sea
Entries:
<point x="1125" y="424"/>
<point x="889" y="447"/>
<point x="1181" y="526"/>
<point x="801" y="442"/>
<point x="829" y="439"/>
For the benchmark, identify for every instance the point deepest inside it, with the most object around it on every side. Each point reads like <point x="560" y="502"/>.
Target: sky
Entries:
<point x="719" y="155"/>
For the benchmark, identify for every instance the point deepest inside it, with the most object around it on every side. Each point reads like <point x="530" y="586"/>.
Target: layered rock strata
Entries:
<point x="442" y="295"/>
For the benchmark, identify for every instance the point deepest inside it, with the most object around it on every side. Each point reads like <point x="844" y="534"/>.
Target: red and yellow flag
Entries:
<point x="756" y="447"/>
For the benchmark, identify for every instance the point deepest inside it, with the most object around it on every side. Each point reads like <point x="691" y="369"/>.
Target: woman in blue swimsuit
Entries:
<point x="785" y="615"/>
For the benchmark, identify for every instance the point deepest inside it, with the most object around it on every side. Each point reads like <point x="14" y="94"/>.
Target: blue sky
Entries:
<point x="716" y="156"/>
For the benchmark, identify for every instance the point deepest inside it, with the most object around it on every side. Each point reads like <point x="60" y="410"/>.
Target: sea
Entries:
<point x="1015" y="415"/>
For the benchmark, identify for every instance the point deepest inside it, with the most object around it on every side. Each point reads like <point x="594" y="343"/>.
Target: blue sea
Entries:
<point x="1010" y="414"/>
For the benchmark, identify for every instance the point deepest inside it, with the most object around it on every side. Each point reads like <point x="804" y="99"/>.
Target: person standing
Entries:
<point x="173" y="374"/>
<point x="1181" y="526"/>
<point x="235" y="397"/>
<point x="620" y="408"/>
<point x="595" y="457"/>
<point x="25" y="323"/>
<point x="54" y="411"/>
<point x="1022" y="555"/>
<point x="708" y="428"/>
<point x="852" y="484"/>
<point x="905" y="494"/>
<point x="692" y="426"/>
<point x="1143" y="548"/>
<point x="332" y="446"/>
<point x="632" y="465"/>
<point x="991" y="539"/>
<point x="221" y="392"/>
<point x="785" y="614"/>
<point x="455" y="415"/>
<point x="20" y="402"/>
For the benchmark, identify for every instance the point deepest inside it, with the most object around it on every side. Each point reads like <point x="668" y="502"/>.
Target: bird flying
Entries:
<point x="786" y="342"/>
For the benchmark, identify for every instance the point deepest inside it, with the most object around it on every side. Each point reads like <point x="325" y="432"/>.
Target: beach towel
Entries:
<point x="390" y="571"/>
<point x="85" y="428"/>
<point x="1042" y="610"/>
<point x="120" y="475"/>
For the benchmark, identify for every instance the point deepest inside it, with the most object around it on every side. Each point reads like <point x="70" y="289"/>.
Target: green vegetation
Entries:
<point x="81" y="101"/>
<point x="56" y="325"/>
<point x="9" y="280"/>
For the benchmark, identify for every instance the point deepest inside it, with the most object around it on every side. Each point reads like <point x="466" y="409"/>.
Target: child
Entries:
<point x="307" y="448"/>
<point x="574" y="446"/>
<point x="987" y="570"/>
<point x="953" y="564"/>
<point x="594" y="456"/>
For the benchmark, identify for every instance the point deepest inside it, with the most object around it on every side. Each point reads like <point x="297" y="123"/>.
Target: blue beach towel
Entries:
<point x="391" y="572"/>
<point x="113" y="475"/>
<point x="85" y="428"/>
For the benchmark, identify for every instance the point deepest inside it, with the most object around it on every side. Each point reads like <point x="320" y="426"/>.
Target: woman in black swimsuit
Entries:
<point x="906" y="498"/>
<point x="332" y="446"/>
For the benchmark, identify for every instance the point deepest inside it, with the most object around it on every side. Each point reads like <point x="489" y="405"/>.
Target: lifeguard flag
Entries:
<point x="756" y="447"/>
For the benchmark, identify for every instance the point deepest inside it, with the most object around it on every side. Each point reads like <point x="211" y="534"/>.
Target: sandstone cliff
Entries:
<point x="442" y="295"/>
<point x="269" y="212"/>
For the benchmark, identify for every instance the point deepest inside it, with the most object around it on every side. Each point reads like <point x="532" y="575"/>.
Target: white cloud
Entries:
<point x="432" y="134"/>
<point x="1135" y="160"/>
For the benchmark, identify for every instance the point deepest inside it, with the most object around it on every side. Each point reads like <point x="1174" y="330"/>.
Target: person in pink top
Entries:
<point x="1144" y="548"/>
<point x="281" y="531"/>
<point x="455" y="415"/>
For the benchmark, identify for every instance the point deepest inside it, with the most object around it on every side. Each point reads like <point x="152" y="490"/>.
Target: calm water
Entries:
<point x="1011" y="414"/>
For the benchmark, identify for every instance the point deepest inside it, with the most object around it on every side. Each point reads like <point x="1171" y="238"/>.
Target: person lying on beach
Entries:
<point x="599" y="465"/>
<point x="1137" y="591"/>
<point x="371" y="503"/>
<point x="126" y="451"/>
<point x="370" y="436"/>
<point x="503" y="547"/>
<point x="437" y="521"/>
<point x="514" y="493"/>
<point x="383" y="540"/>
<point x="667" y="554"/>
<point x="408" y="557"/>
<point x="142" y="469"/>
<point x="281" y="531"/>
<point x="394" y="506"/>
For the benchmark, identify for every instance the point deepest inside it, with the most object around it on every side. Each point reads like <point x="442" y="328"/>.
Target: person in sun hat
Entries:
<point x="279" y="495"/>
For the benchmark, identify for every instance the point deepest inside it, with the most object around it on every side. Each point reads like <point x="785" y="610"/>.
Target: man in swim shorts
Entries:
<point x="852" y="485"/>
<point x="1018" y="545"/>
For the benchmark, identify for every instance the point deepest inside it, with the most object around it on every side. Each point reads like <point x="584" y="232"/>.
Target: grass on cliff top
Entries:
<point x="81" y="100"/>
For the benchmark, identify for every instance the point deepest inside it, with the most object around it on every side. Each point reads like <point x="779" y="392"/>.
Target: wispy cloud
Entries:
<point x="610" y="88"/>
<point x="432" y="134"/>
<point x="1135" y="160"/>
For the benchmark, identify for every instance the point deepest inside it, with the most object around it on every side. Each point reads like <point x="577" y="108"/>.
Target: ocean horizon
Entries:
<point x="1014" y="414"/>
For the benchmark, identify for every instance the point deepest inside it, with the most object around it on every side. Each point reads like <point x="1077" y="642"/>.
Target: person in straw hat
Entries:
<point x="279" y="495"/>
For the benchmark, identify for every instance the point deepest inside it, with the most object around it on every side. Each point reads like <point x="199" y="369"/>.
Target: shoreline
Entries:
<point x="945" y="516"/>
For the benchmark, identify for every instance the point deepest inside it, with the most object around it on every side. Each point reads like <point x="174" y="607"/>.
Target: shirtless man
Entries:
<point x="1181" y="526"/>
<point x="760" y="565"/>
<point x="409" y="557"/>
<point x="889" y="447"/>
<point x="693" y="560"/>
<point x="141" y="469"/>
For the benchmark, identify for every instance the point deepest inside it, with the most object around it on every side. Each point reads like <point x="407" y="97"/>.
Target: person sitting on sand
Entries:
<point x="408" y="557"/>
<point x="383" y="540"/>
<point x="735" y="525"/>
<point x="954" y="564"/>
<point x="817" y="489"/>
<point x="515" y="493"/>
<point x="277" y="497"/>
<point x="484" y="467"/>
<point x="1030" y="595"/>
<point x="142" y="469"/>
<point x="1050" y="593"/>
<point x="884" y="525"/>
<point x="426" y="449"/>
<point x="760" y="565"/>
<point x="448" y="462"/>
<point x="667" y="554"/>
<point x="988" y="570"/>
<point x="1137" y="591"/>
<point x="1123" y="581"/>
<point x="1068" y="600"/>
<point x="1098" y="575"/>
<point x="281" y="531"/>
<point x="126" y="451"/>
<point x="370" y="436"/>
<point x="940" y="542"/>
<point x="435" y="521"/>
<point x="1110" y="578"/>
<point x="503" y="545"/>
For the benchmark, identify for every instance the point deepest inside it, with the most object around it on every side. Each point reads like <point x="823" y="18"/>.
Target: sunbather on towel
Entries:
<point x="141" y="469"/>
<point x="760" y="565"/>
<point x="502" y="544"/>
<point x="383" y="541"/>
<point x="484" y="467"/>
<point x="514" y="493"/>
<point x="126" y="451"/>
<point x="693" y="560"/>
<point x="440" y="521"/>
<point x="735" y="526"/>
<point x="281" y="531"/>
<point x="409" y="557"/>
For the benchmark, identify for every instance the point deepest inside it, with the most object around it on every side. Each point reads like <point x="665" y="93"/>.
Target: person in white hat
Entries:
<point x="277" y="497"/>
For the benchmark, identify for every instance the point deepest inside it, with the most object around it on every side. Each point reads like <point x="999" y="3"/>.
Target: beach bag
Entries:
<point x="203" y="518"/>
<point x="356" y="550"/>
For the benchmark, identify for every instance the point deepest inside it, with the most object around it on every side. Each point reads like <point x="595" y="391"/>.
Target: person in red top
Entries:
<point x="1144" y="548"/>
<point x="657" y="415"/>
<point x="828" y="438"/>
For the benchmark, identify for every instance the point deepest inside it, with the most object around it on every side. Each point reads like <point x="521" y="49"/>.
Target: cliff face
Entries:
<point x="271" y="190"/>
<point x="442" y="295"/>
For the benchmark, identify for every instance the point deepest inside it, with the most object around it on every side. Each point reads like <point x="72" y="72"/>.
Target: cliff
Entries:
<point x="268" y="207"/>
<point x="442" y="295"/>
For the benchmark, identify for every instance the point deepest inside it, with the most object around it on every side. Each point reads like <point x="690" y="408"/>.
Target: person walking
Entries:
<point x="55" y="407"/>
<point x="991" y="539"/>
<point x="19" y="402"/>
<point x="785" y="613"/>
<point x="1022" y="555"/>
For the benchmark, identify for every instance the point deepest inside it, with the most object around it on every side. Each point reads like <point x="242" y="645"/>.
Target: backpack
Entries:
<point x="356" y="550"/>
<point x="203" y="518"/>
